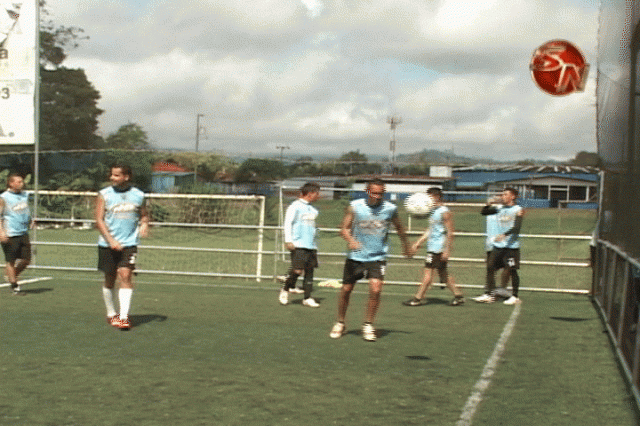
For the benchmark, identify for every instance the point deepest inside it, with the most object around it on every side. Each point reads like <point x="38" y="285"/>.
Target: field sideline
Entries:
<point x="225" y="352"/>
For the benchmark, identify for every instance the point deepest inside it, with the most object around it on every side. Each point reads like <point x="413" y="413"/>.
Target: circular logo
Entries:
<point x="559" y="68"/>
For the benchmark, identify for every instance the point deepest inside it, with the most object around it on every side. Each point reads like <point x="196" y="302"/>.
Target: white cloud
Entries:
<point x="330" y="72"/>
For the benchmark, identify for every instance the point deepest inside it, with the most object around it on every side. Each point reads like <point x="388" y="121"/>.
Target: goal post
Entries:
<point x="191" y="234"/>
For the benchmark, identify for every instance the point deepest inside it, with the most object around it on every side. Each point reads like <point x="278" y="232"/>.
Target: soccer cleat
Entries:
<point x="284" y="297"/>
<point x="485" y="298"/>
<point x="124" y="324"/>
<point x="281" y="278"/>
<point x="296" y="290"/>
<point x="457" y="301"/>
<point x="310" y="302"/>
<point x="113" y="320"/>
<point x="337" y="330"/>
<point x="368" y="332"/>
<point x="512" y="301"/>
<point x="412" y="302"/>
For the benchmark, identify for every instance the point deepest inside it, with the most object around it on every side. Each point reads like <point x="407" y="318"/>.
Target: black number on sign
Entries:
<point x="4" y="93"/>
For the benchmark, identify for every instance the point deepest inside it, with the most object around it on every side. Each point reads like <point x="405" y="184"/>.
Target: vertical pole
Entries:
<point x="260" y="238"/>
<point x="36" y="148"/>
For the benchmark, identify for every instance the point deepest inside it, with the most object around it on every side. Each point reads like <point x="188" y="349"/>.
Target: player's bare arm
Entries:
<point x="346" y="229"/>
<point x="406" y="249"/>
<point x="447" y="219"/>
<point x="102" y="226"/>
<point x="144" y="222"/>
<point x="3" y="233"/>
<point x="416" y="246"/>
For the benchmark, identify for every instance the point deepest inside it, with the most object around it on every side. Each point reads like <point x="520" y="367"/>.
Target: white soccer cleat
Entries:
<point x="485" y="298"/>
<point x="368" y="332"/>
<point x="512" y="301"/>
<point x="310" y="302"/>
<point x="296" y="290"/>
<point x="284" y="297"/>
<point x="337" y="330"/>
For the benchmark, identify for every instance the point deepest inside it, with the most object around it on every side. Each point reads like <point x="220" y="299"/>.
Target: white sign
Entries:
<point x="18" y="62"/>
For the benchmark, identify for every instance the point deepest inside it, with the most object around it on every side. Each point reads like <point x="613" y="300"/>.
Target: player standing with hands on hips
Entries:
<point x="300" y="239"/>
<point x="122" y="218"/>
<point x="365" y="227"/>
<point x="14" y="236"/>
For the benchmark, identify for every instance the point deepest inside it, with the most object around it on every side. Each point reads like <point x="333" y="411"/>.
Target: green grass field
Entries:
<point x="224" y="352"/>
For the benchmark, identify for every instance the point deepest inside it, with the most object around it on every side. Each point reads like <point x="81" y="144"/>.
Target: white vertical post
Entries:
<point x="260" y="238"/>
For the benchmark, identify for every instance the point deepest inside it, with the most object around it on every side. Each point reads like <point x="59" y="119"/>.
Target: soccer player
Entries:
<point x="506" y="245"/>
<point x="14" y="236"/>
<point x="439" y="238"/>
<point x="300" y="240"/>
<point x="492" y="231"/>
<point x="121" y="217"/>
<point x="365" y="227"/>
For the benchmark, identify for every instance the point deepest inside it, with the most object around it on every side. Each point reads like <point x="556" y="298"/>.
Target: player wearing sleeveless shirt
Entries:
<point x="365" y="227"/>
<point x="439" y="238"/>
<point x="14" y="230"/>
<point x="300" y="240"/>
<point x="506" y="245"/>
<point x="122" y="218"/>
<point x="492" y="231"/>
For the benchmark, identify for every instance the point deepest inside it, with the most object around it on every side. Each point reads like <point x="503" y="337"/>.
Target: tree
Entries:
<point x="129" y="136"/>
<point x="584" y="158"/>
<point x="68" y="110"/>
<point x="354" y="157"/>
<point x="68" y="101"/>
<point x="258" y="170"/>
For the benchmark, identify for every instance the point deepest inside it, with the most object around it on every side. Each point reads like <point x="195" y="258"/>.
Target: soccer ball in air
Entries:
<point x="419" y="204"/>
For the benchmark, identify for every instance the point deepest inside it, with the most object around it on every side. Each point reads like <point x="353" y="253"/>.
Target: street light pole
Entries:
<point x="198" y="130"/>
<point x="282" y="148"/>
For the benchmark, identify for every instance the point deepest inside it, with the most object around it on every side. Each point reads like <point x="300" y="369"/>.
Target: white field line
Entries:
<point x="28" y="281"/>
<point x="487" y="373"/>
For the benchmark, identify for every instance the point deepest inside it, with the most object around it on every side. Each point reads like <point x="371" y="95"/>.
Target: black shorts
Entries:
<point x="302" y="258"/>
<point x="110" y="260"/>
<point x="434" y="261"/>
<point x="354" y="270"/>
<point x="504" y="258"/>
<point x="17" y="248"/>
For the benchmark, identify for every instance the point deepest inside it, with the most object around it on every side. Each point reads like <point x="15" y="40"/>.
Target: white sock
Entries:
<point x="125" y="301"/>
<point x="107" y="295"/>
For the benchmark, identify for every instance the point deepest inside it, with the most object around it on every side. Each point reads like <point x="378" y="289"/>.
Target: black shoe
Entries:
<point x="412" y="302"/>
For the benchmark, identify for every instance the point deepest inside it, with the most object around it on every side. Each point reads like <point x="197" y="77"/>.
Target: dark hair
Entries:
<point x="376" y="181"/>
<point x="12" y="175"/>
<point x="126" y="169"/>
<point x="512" y="190"/>
<point x="434" y="190"/>
<point x="309" y="187"/>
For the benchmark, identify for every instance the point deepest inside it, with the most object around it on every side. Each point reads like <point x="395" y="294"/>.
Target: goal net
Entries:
<point x="191" y="234"/>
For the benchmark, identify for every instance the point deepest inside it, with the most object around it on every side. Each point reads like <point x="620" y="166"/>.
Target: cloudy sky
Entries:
<point x="322" y="76"/>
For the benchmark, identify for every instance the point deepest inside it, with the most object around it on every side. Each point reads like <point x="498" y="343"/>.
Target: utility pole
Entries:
<point x="282" y="148"/>
<point x="198" y="130"/>
<point x="393" y="122"/>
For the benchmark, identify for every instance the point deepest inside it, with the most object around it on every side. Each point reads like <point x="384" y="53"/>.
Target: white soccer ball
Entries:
<point x="419" y="204"/>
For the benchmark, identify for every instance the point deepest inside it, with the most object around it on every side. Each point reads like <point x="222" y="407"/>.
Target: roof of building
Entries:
<point x="162" y="166"/>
